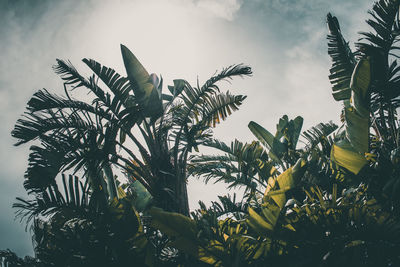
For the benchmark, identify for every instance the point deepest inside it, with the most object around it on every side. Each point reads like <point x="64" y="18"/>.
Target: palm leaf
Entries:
<point x="228" y="205"/>
<point x="194" y="98"/>
<point x="384" y="25"/>
<point x="120" y="86"/>
<point x="343" y="60"/>
<point x="51" y="201"/>
<point x="72" y="77"/>
<point x="37" y="124"/>
<point x="238" y="167"/>
<point x="219" y="107"/>
<point x="44" y="165"/>
<point x="319" y="135"/>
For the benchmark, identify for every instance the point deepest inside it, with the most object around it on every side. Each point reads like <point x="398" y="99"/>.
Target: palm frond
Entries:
<point x="230" y="205"/>
<point x="37" y="124"/>
<point x="227" y="73"/>
<point x="72" y="77"/>
<point x="219" y="107"/>
<point x="319" y="134"/>
<point x="222" y="146"/>
<point x="392" y="91"/>
<point x="59" y="154"/>
<point x="227" y="206"/>
<point x="43" y="100"/>
<point x="118" y="85"/>
<point x="217" y="171"/>
<point x="239" y="166"/>
<point x="194" y="97"/>
<point x="43" y="166"/>
<point x="209" y="158"/>
<point x="385" y="27"/>
<point x="343" y="60"/>
<point x="75" y="199"/>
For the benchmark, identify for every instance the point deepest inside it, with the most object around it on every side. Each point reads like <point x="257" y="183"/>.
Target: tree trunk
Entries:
<point x="183" y="201"/>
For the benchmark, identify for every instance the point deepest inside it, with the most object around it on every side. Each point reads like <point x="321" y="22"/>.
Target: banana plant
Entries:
<point x="251" y="165"/>
<point x="213" y="241"/>
<point x="365" y="80"/>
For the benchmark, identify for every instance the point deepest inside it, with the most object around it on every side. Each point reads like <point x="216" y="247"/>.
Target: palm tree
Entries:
<point x="131" y="125"/>
<point x="70" y="228"/>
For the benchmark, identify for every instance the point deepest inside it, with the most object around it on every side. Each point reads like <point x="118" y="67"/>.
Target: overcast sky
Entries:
<point x="284" y="41"/>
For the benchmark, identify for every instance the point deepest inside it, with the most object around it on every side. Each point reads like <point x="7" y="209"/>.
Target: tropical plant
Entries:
<point x="95" y="222"/>
<point x="357" y="225"/>
<point x="97" y="137"/>
<point x="252" y="165"/>
<point x="71" y="228"/>
<point x="334" y="201"/>
<point x="367" y="81"/>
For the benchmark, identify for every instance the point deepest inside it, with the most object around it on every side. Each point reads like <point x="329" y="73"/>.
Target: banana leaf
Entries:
<point x="183" y="233"/>
<point x="275" y="147"/>
<point x="144" y="86"/>
<point x="285" y="181"/>
<point x="291" y="129"/>
<point x="275" y="199"/>
<point x="182" y="229"/>
<point x="349" y="152"/>
<point x="360" y="81"/>
<point x="357" y="130"/>
<point x="344" y="155"/>
<point x="142" y="197"/>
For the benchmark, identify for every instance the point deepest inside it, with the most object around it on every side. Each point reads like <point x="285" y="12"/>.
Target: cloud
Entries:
<point x="225" y="9"/>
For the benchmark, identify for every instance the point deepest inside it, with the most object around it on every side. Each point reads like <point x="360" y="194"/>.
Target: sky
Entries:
<point x="284" y="41"/>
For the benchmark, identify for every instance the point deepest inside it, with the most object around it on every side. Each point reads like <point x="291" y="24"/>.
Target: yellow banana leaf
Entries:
<point x="357" y="130"/>
<point x="183" y="231"/>
<point x="285" y="181"/>
<point x="349" y="152"/>
<point x="343" y="154"/>
<point x="275" y="199"/>
<point x="177" y="226"/>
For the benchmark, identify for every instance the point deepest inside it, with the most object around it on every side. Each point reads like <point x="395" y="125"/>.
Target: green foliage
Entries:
<point x="281" y="145"/>
<point x="99" y="137"/>
<point x="334" y="201"/>
<point x="317" y="227"/>
<point x="73" y="228"/>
